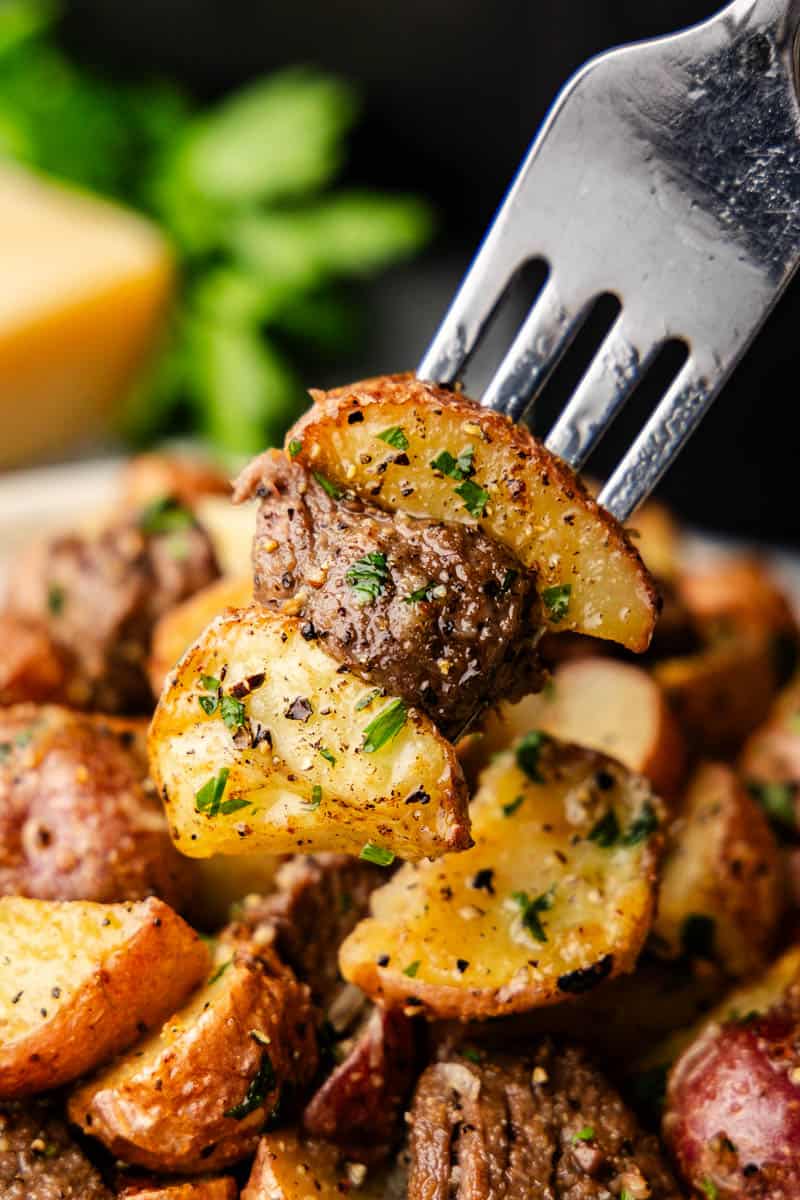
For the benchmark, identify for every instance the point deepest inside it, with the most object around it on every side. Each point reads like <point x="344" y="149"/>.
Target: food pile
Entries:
<point x="455" y="856"/>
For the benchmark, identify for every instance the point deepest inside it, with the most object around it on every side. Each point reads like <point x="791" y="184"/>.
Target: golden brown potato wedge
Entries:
<point x="80" y="981"/>
<point x="178" y="628"/>
<point x="722" y="885"/>
<point x="770" y="760"/>
<point x="287" y="1167"/>
<point x="610" y="706"/>
<point x="221" y="1188"/>
<point x="231" y="529"/>
<point x="194" y="1096"/>
<point x="311" y="759"/>
<point x="556" y="895"/>
<point x="739" y="590"/>
<point x="592" y="580"/>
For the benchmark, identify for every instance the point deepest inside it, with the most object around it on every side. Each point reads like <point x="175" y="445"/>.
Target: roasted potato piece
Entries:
<point x="39" y="1159"/>
<point x="231" y="529"/>
<point x="732" y="1117"/>
<point x="79" y="819"/>
<point x="770" y="761"/>
<point x="657" y="536"/>
<point x="603" y="704"/>
<point x="739" y="591"/>
<point x="194" y="1096"/>
<point x="287" y="1167"/>
<point x="309" y="758"/>
<point x="592" y="580"/>
<point x="149" y="477"/>
<point x="556" y="895"/>
<point x="31" y="667"/>
<point x="182" y="625"/>
<point x="80" y="981"/>
<point x="722" y="885"/>
<point x="219" y="1188"/>
<point x="222" y="882"/>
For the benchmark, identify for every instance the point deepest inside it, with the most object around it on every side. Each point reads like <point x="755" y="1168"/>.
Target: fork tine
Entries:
<point x="609" y="380"/>
<point x="659" y="443"/>
<point x="548" y="329"/>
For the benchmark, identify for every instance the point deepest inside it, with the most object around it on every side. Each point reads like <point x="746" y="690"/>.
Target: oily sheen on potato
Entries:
<point x="555" y="896"/>
<point x="79" y="982"/>
<point x="410" y="446"/>
<point x="288" y="1167"/>
<point x="262" y="742"/>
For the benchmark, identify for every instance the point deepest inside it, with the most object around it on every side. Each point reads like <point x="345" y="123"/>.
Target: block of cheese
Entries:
<point x="84" y="288"/>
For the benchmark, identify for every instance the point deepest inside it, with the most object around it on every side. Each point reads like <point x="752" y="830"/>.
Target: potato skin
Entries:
<point x="287" y="1167"/>
<point x="168" y="1105"/>
<point x="133" y="987"/>
<point x="78" y="817"/>
<point x="31" y="666"/>
<point x="732" y="1118"/>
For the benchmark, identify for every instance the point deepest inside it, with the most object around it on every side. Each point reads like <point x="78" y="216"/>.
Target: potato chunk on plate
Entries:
<point x="79" y="981"/>
<point x="556" y="895"/>
<point x="288" y="1167"/>
<point x="403" y="444"/>
<point x="262" y="742"/>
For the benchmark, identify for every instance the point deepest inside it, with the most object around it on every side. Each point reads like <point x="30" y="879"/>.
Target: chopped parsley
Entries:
<point x="512" y="806"/>
<point x="642" y="826"/>
<point x="331" y="489"/>
<point x="710" y="1188"/>
<point x="165" y="515"/>
<point x="509" y="579"/>
<point x="411" y="969"/>
<point x="422" y="593"/>
<point x="210" y="683"/>
<point x="385" y="726"/>
<point x="367" y="577"/>
<point x="5" y="750"/>
<point x="219" y="972"/>
<point x="605" y="831"/>
<point x="530" y="910"/>
<point x="777" y="801"/>
<point x="295" y="447"/>
<point x="556" y="601"/>
<point x="326" y="754"/>
<point x="365" y="701"/>
<point x="232" y="712"/>
<point x="394" y="436"/>
<point x="56" y="597"/>
<point x="378" y="855"/>
<point x="527" y="752"/>
<point x="475" y="498"/>
<point x="258" y="1089"/>
<point x="456" y="468"/>
<point x="625" y="1195"/>
<point x="697" y="936"/>
<point x="209" y="797"/>
<point x="583" y="1135"/>
<point x="316" y="797"/>
<point x="471" y="1054"/>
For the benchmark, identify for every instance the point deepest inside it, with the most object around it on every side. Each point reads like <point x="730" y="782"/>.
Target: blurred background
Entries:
<point x="321" y="174"/>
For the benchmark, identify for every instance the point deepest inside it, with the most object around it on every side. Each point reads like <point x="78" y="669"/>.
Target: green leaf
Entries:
<point x="56" y="598"/>
<point x="327" y="486"/>
<point x="232" y="712"/>
<point x="556" y="601"/>
<point x="455" y="468"/>
<point x="527" y="752"/>
<point x="385" y="726"/>
<point x="365" y="701"/>
<point x="210" y="683"/>
<point x="584" y="1135"/>
<point x="377" y="855"/>
<point x="209" y="796"/>
<point x="412" y="968"/>
<point x="23" y="20"/>
<point x="777" y="801"/>
<point x="475" y="498"/>
<point x="316" y="797"/>
<point x="257" y="1091"/>
<point x="294" y="448"/>
<point x="512" y="806"/>
<point x="276" y="139"/>
<point x="164" y="515"/>
<point x="605" y="831"/>
<point x="326" y="754"/>
<point x="642" y="826"/>
<point x="394" y="436"/>
<point x="368" y="577"/>
<point x="710" y="1188"/>
<point x="531" y="909"/>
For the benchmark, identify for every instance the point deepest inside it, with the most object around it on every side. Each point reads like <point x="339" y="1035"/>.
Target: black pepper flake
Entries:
<point x="604" y="780"/>
<point x="483" y="881"/>
<point x="461" y="965"/>
<point x="401" y="460"/>
<point x="420" y="796"/>
<point x="16" y="999"/>
<point x="299" y="709"/>
<point x="308" y="631"/>
<point x="355" y="417"/>
<point x="382" y="960"/>
<point x="55" y="992"/>
<point x="577" y="982"/>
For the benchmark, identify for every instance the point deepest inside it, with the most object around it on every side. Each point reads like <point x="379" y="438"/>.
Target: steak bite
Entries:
<point x="100" y="595"/>
<point x="40" y="1161"/>
<point x="547" y="1124"/>
<point x="438" y="614"/>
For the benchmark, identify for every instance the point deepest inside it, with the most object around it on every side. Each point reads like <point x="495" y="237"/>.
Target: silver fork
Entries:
<point x="667" y="174"/>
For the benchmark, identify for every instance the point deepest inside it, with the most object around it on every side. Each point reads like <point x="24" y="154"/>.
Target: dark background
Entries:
<point x="453" y="92"/>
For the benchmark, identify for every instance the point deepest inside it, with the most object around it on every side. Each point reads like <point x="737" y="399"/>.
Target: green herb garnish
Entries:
<point x="5" y="750"/>
<point x="365" y="701"/>
<point x="422" y="593"/>
<point x="367" y="577"/>
<point x="394" y="436"/>
<point x="219" y="972"/>
<point x="209" y="797"/>
<point x="56" y="596"/>
<point x="412" y="968"/>
<point x="777" y="801"/>
<point x="642" y="826"/>
<point x="512" y="806"/>
<point x="232" y="712"/>
<point x="377" y="855"/>
<point x="556" y="601"/>
<point x="475" y="498"/>
<point x="258" y="1089"/>
<point x="165" y="515"/>
<point x="530" y="910"/>
<point x="473" y="1055"/>
<point x="456" y="468"/>
<point x="509" y="579"/>
<point x="583" y="1135"/>
<point x="294" y="448"/>
<point x="605" y="831"/>
<point x="210" y="683"/>
<point x="710" y="1188"/>
<point x="331" y="489"/>
<point x="316" y="796"/>
<point x="326" y="754"/>
<point x="528" y="750"/>
<point x="233" y="805"/>
<point x="385" y="726"/>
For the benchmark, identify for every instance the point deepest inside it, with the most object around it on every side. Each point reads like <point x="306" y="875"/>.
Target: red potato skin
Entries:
<point x="732" y="1118"/>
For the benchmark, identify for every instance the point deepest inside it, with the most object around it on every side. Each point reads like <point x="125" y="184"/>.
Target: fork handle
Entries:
<point x="780" y="16"/>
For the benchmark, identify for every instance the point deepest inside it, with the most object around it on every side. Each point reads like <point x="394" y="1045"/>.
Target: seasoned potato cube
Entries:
<point x="221" y="1188"/>
<point x="609" y="706"/>
<point x="178" y="628"/>
<point x="722" y="884"/>
<point x="288" y="1168"/>
<point x="592" y="580"/>
<point x="556" y="895"/>
<point x="310" y="758"/>
<point x="194" y="1096"/>
<point x="79" y="981"/>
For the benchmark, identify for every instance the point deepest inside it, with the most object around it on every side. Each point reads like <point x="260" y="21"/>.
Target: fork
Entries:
<point x="667" y="174"/>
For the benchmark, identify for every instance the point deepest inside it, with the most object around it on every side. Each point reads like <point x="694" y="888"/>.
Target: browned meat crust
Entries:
<point x="39" y="1160"/>
<point x="77" y="818"/>
<point x="319" y="899"/>
<point x="547" y="1125"/>
<point x="360" y="1105"/>
<point x="448" y="620"/>
<point x="99" y="597"/>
